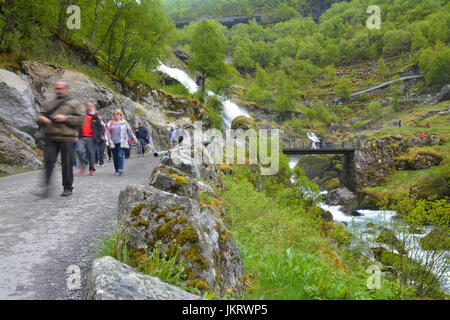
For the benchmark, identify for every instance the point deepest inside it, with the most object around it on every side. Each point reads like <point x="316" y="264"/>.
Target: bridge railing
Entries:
<point x="302" y="145"/>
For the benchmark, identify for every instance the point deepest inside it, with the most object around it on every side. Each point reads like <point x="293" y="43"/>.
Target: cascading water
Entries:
<point x="359" y="225"/>
<point x="230" y="109"/>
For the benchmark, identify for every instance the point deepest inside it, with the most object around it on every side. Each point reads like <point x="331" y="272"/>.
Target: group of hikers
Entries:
<point x="74" y="130"/>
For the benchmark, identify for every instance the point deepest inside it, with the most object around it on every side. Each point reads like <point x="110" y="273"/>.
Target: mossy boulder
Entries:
<point x="332" y="184"/>
<point x="242" y="122"/>
<point x="418" y="159"/>
<point x="389" y="238"/>
<point x="436" y="240"/>
<point x="212" y="260"/>
<point x="175" y="181"/>
<point x="436" y="184"/>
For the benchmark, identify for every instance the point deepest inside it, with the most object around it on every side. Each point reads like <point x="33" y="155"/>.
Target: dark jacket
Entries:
<point x="63" y="131"/>
<point x="97" y="128"/>
<point x="141" y="133"/>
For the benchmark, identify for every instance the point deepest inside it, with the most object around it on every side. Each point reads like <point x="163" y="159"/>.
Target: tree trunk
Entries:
<point x="124" y="48"/>
<point x="62" y="15"/>
<point x="116" y="17"/>
<point x="94" y="28"/>
<point x="203" y="83"/>
<point x="111" y="38"/>
<point x="131" y="68"/>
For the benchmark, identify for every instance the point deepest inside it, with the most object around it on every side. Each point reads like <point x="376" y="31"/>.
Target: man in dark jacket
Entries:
<point x="90" y="134"/>
<point x="61" y="119"/>
<point x="142" y="136"/>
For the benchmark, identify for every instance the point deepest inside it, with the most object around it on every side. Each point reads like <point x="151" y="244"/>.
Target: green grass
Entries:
<point x="283" y="251"/>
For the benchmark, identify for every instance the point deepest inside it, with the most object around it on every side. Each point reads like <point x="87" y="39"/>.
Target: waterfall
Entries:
<point x="230" y="109"/>
<point x="314" y="139"/>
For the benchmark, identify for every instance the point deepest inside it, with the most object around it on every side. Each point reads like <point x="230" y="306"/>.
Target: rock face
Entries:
<point x="17" y="106"/>
<point x="113" y="280"/>
<point x="173" y="216"/>
<point x="15" y="153"/>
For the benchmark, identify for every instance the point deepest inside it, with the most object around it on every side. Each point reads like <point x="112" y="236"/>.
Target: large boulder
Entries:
<point x="342" y="197"/>
<point x="112" y="280"/>
<point x="16" y="153"/>
<point x="17" y="106"/>
<point x="242" y="122"/>
<point x="418" y="159"/>
<point x="212" y="259"/>
<point x="444" y="94"/>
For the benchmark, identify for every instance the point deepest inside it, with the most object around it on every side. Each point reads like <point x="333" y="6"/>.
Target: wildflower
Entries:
<point x="229" y="290"/>
<point x="174" y="240"/>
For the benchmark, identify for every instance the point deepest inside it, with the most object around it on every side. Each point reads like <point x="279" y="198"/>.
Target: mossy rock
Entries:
<point x="332" y="184"/>
<point x="436" y="240"/>
<point x="389" y="238"/>
<point x="242" y="122"/>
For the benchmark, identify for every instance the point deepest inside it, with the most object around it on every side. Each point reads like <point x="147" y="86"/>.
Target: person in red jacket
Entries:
<point x="89" y="135"/>
<point x="422" y="135"/>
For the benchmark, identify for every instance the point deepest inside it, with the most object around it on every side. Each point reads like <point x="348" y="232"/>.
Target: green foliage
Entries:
<point x="424" y="270"/>
<point x="283" y="221"/>
<point x="163" y="266"/>
<point x="342" y="88"/>
<point x="397" y="90"/>
<point x="435" y="64"/>
<point x="374" y="110"/>
<point x="207" y="48"/>
<point x="214" y="106"/>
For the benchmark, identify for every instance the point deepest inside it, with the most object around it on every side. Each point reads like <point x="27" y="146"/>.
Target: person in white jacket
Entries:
<point x="117" y="136"/>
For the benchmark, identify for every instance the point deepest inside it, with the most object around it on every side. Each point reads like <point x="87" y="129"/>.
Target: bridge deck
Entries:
<point x="318" y="151"/>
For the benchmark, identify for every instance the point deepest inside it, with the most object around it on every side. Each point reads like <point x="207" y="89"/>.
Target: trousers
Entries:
<point x="51" y="151"/>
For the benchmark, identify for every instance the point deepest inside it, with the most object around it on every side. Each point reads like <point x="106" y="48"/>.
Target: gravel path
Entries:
<point x="41" y="238"/>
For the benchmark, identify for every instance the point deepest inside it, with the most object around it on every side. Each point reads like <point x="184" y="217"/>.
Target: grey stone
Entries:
<point x="444" y="94"/>
<point x="112" y="280"/>
<point x="17" y="106"/>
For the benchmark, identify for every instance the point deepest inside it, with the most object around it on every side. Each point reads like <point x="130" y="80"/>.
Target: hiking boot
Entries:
<point x="66" y="193"/>
<point x="91" y="173"/>
<point x="120" y="172"/>
<point x="79" y="171"/>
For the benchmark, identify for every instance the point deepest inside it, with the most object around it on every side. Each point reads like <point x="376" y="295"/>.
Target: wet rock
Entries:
<point x="112" y="280"/>
<point x="242" y="122"/>
<point x="343" y="197"/>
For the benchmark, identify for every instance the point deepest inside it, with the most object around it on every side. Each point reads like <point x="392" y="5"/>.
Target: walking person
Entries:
<point x="100" y="152"/>
<point x="117" y="136"/>
<point x="399" y="123"/>
<point x="61" y="118"/>
<point x="89" y="135"/>
<point x="172" y="129"/>
<point x="422" y="135"/>
<point x="142" y="135"/>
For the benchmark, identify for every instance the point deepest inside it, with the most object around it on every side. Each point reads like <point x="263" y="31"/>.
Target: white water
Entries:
<point x="358" y="225"/>
<point x="314" y="139"/>
<point x="230" y="109"/>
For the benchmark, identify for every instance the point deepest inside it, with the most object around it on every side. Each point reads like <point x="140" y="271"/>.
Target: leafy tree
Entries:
<point x="342" y="88"/>
<point x="397" y="90"/>
<point x="396" y="41"/>
<point x="207" y="49"/>
<point x="435" y="64"/>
